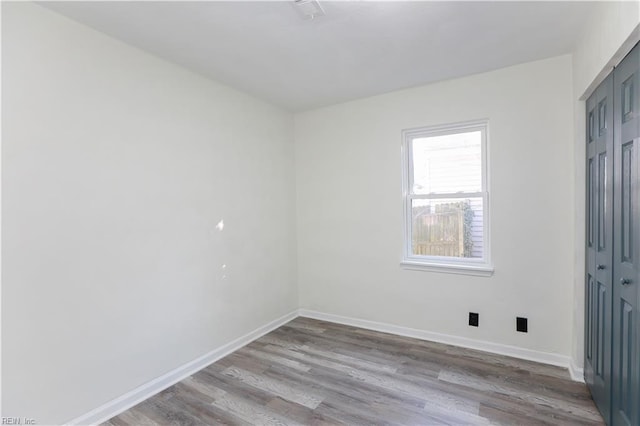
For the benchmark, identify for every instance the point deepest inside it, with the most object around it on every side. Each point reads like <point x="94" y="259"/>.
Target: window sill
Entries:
<point x="476" y="270"/>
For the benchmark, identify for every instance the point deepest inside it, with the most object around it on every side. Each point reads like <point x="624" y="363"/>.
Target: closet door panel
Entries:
<point x="626" y="254"/>
<point x="599" y="249"/>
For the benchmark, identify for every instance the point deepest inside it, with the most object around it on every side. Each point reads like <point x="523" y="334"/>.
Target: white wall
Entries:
<point x="609" y="27"/>
<point x="612" y="30"/>
<point x="116" y="168"/>
<point x="350" y="208"/>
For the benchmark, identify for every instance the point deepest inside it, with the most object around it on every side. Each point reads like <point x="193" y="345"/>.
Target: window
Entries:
<point x="446" y="209"/>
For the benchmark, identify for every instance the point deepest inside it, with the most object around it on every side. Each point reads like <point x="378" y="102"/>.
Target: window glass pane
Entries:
<point x="451" y="227"/>
<point x="447" y="164"/>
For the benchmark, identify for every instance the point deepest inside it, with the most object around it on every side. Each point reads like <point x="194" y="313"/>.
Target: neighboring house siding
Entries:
<point x="476" y="228"/>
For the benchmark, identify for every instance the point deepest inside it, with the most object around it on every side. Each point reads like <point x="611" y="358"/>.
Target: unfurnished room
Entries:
<point x="309" y="212"/>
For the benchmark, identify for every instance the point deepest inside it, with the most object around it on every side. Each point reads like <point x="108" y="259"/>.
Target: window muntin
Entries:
<point x="446" y="197"/>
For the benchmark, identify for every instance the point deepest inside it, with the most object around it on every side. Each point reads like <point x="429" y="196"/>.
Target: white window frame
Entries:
<point x="468" y="266"/>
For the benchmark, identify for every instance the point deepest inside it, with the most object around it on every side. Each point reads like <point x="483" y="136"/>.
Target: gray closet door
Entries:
<point x="626" y="254"/>
<point x="599" y="252"/>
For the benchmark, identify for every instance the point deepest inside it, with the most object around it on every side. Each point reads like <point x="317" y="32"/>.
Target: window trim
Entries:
<point x="468" y="266"/>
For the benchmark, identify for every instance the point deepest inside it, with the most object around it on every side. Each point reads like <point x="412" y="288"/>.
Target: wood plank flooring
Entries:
<point x="310" y="372"/>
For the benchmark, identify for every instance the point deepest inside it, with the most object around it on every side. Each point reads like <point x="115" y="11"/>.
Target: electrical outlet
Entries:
<point x="522" y="324"/>
<point x="474" y="319"/>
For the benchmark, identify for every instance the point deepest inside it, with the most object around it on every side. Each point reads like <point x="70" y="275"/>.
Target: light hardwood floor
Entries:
<point x="310" y="372"/>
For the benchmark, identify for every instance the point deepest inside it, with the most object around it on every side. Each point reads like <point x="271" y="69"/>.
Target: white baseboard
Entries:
<point x="139" y="394"/>
<point x="481" y="345"/>
<point x="577" y="373"/>
<point x="147" y="390"/>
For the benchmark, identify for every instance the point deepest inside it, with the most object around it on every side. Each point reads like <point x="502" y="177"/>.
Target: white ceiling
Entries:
<point x="358" y="49"/>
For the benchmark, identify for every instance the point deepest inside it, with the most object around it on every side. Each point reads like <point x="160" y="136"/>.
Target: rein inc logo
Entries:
<point x="17" y="421"/>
